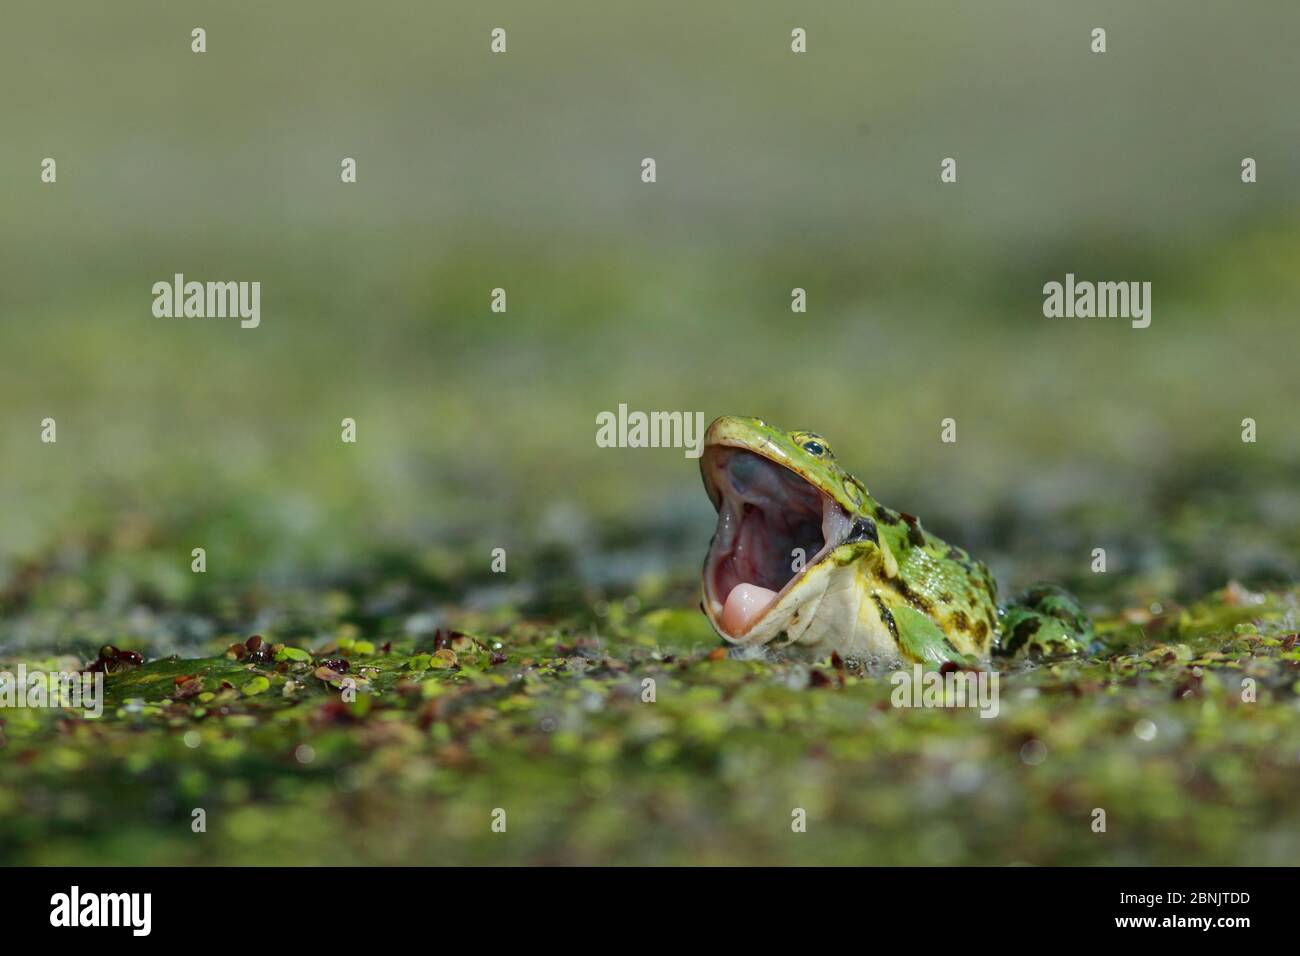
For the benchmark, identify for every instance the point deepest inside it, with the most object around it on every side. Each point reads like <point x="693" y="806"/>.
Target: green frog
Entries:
<point x="803" y="555"/>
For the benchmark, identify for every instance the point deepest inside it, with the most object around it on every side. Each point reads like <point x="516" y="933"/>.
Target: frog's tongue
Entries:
<point x="745" y="603"/>
<point x="766" y="513"/>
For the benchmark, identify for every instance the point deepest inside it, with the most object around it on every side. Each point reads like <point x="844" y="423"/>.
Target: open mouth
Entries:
<point x="770" y="522"/>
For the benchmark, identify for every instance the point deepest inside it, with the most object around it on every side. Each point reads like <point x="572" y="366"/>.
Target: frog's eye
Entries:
<point x="813" y="447"/>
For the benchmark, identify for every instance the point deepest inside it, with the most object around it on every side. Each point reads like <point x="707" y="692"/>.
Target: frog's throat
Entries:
<point x="773" y="528"/>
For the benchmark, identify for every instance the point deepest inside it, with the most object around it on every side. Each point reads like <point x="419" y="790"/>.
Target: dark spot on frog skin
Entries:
<point x="1023" y="632"/>
<point x="864" y="529"/>
<point x="917" y="601"/>
<point x="985" y="575"/>
<point x="946" y="597"/>
<point x="886" y="617"/>
<point x="981" y="630"/>
<point x="854" y="489"/>
<point x="915" y="535"/>
<point x="885" y="515"/>
<point x="959" y="555"/>
<point x="961" y="621"/>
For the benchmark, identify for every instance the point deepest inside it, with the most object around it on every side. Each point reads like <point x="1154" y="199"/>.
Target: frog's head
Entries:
<point x="784" y="505"/>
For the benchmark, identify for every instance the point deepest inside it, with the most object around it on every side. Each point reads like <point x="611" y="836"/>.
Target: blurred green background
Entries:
<point x="521" y="171"/>
<point x="775" y="170"/>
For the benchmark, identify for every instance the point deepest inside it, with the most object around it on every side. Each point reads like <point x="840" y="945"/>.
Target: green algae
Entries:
<point x="640" y="740"/>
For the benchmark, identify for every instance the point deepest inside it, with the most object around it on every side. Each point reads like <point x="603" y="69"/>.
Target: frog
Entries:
<point x="803" y="556"/>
